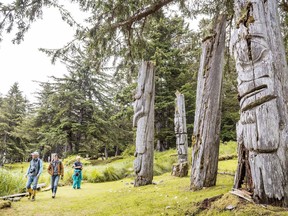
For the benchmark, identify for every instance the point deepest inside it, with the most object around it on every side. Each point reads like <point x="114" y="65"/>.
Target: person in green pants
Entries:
<point x="77" y="176"/>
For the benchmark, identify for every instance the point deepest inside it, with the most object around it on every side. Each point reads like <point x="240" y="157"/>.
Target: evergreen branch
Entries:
<point x="140" y="15"/>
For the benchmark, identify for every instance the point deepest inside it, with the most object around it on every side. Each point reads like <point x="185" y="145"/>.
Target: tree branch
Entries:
<point x="138" y="16"/>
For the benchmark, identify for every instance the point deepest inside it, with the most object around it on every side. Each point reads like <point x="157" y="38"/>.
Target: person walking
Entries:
<point x="77" y="176"/>
<point x="33" y="173"/>
<point x="56" y="170"/>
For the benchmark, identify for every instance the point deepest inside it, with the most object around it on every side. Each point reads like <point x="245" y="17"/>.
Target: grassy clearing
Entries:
<point x="170" y="196"/>
<point x="106" y="170"/>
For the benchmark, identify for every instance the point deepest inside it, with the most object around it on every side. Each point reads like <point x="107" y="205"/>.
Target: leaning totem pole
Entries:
<point x="262" y="131"/>
<point x="181" y="168"/>
<point x="144" y="121"/>
<point x="206" y="133"/>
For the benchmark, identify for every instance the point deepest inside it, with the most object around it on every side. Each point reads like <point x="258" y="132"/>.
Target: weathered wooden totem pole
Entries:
<point x="144" y="121"/>
<point x="262" y="131"/>
<point x="180" y="169"/>
<point x="206" y="134"/>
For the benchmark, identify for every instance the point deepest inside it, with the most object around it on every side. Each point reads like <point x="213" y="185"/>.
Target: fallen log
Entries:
<point x="226" y="173"/>
<point x="227" y="157"/>
<point x="14" y="195"/>
<point x="39" y="186"/>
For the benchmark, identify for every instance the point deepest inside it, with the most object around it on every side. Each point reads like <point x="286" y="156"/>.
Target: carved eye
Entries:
<point x="258" y="48"/>
<point x="242" y="50"/>
<point x="252" y="49"/>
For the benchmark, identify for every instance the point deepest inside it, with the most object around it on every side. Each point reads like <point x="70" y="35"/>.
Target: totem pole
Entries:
<point x="144" y="121"/>
<point x="180" y="169"/>
<point x="206" y="133"/>
<point x="262" y="131"/>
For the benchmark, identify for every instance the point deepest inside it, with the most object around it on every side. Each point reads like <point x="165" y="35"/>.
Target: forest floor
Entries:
<point x="168" y="196"/>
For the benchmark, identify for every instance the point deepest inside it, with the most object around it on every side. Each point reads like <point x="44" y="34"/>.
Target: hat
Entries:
<point x="35" y="153"/>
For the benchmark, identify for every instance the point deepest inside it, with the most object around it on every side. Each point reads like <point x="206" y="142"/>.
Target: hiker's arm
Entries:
<point x="41" y="168"/>
<point x="49" y="168"/>
<point x="27" y="172"/>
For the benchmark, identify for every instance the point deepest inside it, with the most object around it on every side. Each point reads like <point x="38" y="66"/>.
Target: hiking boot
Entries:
<point x="33" y="195"/>
<point x="29" y="193"/>
<point x="53" y="195"/>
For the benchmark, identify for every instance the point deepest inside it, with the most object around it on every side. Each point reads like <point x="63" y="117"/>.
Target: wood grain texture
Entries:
<point x="180" y="169"/>
<point x="263" y="92"/>
<point x="144" y="121"/>
<point x="206" y="134"/>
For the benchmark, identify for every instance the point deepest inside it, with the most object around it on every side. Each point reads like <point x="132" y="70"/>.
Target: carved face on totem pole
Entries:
<point x="256" y="89"/>
<point x="260" y="122"/>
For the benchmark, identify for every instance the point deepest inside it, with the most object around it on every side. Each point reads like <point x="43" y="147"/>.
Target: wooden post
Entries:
<point x="144" y="121"/>
<point x="206" y="133"/>
<point x="180" y="169"/>
<point x="263" y="94"/>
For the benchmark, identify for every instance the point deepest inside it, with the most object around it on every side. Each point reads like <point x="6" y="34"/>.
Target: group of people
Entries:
<point x="55" y="169"/>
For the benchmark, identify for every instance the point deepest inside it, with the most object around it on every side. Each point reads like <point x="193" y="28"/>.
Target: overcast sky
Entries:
<point x="24" y="63"/>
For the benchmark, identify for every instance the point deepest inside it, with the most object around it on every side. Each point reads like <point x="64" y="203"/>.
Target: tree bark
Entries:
<point x="263" y="93"/>
<point x="206" y="133"/>
<point x="144" y="121"/>
<point x="180" y="169"/>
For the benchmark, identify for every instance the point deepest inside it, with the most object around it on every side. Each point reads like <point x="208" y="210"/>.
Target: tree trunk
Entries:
<point x="180" y="169"/>
<point x="106" y="152"/>
<point x="117" y="151"/>
<point x="206" y="133"/>
<point x="263" y="94"/>
<point x="144" y="121"/>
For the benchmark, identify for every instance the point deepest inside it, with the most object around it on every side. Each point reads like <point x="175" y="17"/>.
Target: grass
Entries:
<point x="170" y="196"/>
<point x="114" y="193"/>
<point x="108" y="170"/>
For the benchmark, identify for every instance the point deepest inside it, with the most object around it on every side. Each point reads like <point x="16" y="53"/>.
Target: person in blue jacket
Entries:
<point x="77" y="176"/>
<point x="33" y="173"/>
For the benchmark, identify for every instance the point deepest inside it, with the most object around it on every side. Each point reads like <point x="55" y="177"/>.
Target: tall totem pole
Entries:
<point x="144" y="121"/>
<point x="206" y="133"/>
<point x="262" y="131"/>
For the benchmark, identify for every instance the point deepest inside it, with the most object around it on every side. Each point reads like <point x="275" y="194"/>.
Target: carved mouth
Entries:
<point x="247" y="103"/>
<point x="253" y="91"/>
